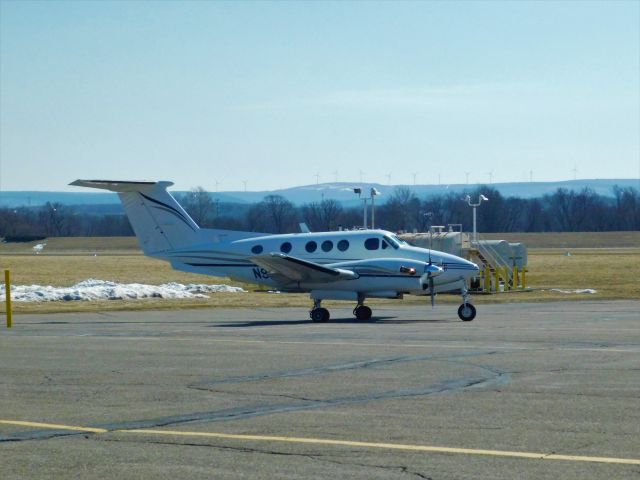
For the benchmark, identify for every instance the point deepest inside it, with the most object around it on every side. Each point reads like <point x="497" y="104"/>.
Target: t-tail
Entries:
<point x="157" y="219"/>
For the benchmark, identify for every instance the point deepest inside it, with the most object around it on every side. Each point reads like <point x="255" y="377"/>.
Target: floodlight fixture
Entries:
<point x="475" y="206"/>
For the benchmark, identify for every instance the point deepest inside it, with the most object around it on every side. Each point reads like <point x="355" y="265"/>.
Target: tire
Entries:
<point x="363" y="312"/>
<point x="466" y="312"/>
<point x="319" y="315"/>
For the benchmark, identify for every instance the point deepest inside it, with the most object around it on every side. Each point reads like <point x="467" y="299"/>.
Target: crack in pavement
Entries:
<point x="354" y="365"/>
<point x="259" y="410"/>
<point x="491" y="377"/>
<point x="312" y="456"/>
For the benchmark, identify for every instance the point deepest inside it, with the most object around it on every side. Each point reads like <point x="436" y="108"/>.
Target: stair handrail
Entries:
<point x="493" y="257"/>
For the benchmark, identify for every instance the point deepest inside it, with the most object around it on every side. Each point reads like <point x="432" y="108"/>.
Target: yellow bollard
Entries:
<point x="7" y="290"/>
<point x="516" y="279"/>
<point x="524" y="278"/>
<point x="486" y="279"/>
<point x="496" y="278"/>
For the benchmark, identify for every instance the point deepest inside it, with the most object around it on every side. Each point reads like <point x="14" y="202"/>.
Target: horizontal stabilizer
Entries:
<point x="120" y="185"/>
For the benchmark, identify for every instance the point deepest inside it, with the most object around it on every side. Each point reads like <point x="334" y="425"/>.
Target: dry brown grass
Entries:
<point x="612" y="272"/>
<point x="570" y="239"/>
<point x="75" y="245"/>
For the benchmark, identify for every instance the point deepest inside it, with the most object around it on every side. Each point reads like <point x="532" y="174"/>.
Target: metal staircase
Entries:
<point x="496" y="273"/>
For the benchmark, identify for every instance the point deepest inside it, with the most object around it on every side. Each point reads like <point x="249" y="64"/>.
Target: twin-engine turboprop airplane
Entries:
<point x="343" y="265"/>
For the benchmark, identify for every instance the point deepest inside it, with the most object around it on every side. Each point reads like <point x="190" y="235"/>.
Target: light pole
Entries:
<point x="475" y="206"/>
<point x="373" y="192"/>
<point x="358" y="190"/>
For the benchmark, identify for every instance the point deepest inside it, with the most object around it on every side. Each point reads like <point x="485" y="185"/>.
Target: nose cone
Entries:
<point x="472" y="268"/>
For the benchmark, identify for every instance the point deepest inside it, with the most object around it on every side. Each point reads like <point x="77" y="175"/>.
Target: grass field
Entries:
<point x="570" y="240"/>
<point x="612" y="271"/>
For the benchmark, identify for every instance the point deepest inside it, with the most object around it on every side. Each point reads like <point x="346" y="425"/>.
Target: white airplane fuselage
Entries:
<point x="373" y="254"/>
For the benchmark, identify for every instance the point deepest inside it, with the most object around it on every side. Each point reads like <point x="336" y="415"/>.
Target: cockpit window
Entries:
<point x="399" y="240"/>
<point x="393" y="241"/>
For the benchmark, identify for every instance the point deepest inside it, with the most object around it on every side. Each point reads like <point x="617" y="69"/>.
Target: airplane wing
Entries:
<point x="286" y="270"/>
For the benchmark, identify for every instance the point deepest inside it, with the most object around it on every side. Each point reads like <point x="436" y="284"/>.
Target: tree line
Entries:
<point x="562" y="211"/>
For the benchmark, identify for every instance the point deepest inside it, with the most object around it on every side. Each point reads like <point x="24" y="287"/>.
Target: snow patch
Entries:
<point x="582" y="290"/>
<point x="93" y="289"/>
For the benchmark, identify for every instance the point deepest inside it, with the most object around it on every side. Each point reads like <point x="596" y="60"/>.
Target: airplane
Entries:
<point x="338" y="265"/>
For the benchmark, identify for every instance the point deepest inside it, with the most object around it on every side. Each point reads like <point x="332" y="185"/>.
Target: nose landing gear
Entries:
<point x="466" y="311"/>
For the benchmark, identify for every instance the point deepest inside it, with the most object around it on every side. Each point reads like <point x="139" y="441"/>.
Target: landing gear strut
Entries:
<point x="466" y="311"/>
<point x="319" y="314"/>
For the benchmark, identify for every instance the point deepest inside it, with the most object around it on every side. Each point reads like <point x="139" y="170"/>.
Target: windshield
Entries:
<point x="397" y="239"/>
<point x="393" y="241"/>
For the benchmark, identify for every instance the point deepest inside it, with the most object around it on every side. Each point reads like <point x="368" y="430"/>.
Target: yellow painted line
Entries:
<point x="53" y="426"/>
<point x="340" y="443"/>
<point x="388" y="446"/>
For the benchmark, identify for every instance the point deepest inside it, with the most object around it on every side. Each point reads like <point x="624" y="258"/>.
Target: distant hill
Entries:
<point x="341" y="191"/>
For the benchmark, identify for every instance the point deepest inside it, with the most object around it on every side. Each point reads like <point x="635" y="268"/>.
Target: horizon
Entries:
<point x="75" y="189"/>
<point x="260" y="95"/>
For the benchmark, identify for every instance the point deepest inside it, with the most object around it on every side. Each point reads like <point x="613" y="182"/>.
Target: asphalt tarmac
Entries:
<point x="548" y="390"/>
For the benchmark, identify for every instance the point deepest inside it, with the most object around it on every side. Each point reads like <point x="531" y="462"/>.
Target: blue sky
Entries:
<point x="273" y="93"/>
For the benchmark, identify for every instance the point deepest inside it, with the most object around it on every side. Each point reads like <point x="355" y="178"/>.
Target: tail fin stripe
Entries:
<point x="169" y="209"/>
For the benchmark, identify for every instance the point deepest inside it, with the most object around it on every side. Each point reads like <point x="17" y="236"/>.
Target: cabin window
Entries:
<point x="285" y="247"/>
<point x="343" y="245"/>
<point x="372" y="243"/>
<point x="327" y="246"/>
<point x="311" y="246"/>
<point x="384" y="244"/>
<point x="256" y="249"/>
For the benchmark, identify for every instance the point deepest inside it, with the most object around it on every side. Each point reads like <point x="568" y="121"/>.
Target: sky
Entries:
<point x="265" y="95"/>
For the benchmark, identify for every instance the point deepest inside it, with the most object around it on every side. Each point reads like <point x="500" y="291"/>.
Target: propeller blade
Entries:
<point x="432" y="292"/>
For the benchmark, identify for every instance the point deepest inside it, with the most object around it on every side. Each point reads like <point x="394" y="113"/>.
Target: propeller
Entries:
<point x="430" y="272"/>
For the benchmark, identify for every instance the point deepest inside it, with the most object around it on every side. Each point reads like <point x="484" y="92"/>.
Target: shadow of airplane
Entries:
<point x="342" y="321"/>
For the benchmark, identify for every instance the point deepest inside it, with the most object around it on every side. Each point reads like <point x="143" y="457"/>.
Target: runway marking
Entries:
<point x="340" y="443"/>
<point x="53" y="426"/>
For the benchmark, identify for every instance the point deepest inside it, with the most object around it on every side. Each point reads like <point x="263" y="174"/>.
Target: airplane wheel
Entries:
<point x="362" y="312"/>
<point x="319" y="315"/>
<point x="466" y="312"/>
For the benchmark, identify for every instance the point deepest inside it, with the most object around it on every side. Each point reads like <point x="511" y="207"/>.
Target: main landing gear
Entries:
<point x="321" y="315"/>
<point x="466" y="311"/>
<point x="362" y="312"/>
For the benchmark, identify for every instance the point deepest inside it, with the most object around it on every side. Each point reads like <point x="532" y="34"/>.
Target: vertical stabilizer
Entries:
<point x="157" y="219"/>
